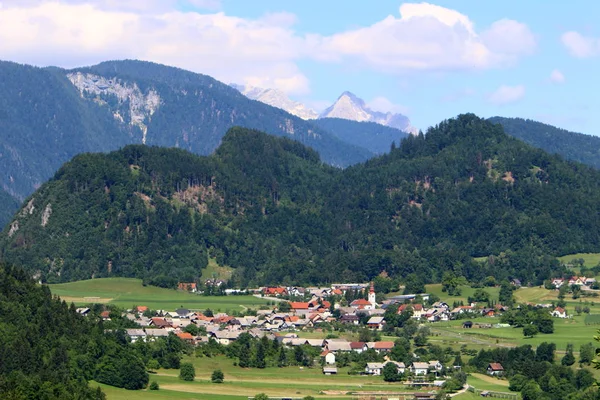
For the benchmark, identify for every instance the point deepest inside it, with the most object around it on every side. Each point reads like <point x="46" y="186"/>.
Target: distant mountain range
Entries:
<point x="571" y="145"/>
<point x="348" y="106"/>
<point x="49" y="115"/>
<point x="277" y="98"/>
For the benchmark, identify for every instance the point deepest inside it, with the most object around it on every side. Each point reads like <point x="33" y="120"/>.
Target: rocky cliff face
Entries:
<point x="277" y="98"/>
<point x="139" y="106"/>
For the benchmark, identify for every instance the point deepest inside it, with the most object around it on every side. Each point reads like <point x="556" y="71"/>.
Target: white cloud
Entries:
<point x="557" y="77"/>
<point x="581" y="46"/>
<point x="382" y="104"/>
<point x="228" y="48"/>
<point x="430" y="37"/>
<point x="507" y="94"/>
<point x="262" y="52"/>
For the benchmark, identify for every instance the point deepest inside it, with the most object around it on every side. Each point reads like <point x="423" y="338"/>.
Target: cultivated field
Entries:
<point x="243" y="382"/>
<point x="126" y="292"/>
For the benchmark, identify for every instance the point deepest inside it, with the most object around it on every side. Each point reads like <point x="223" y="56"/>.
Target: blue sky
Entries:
<point x="532" y="59"/>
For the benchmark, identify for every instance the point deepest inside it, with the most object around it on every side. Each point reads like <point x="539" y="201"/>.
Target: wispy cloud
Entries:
<point x="581" y="46"/>
<point x="557" y="77"/>
<point x="507" y="94"/>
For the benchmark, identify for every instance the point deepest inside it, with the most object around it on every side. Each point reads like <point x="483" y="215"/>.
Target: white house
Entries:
<point x="559" y="312"/>
<point x="329" y="357"/>
<point x="419" y="368"/>
<point x="374" y="368"/>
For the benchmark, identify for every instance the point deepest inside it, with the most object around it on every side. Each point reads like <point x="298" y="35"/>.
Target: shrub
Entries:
<point x="187" y="372"/>
<point x="153" y="385"/>
<point x="217" y="376"/>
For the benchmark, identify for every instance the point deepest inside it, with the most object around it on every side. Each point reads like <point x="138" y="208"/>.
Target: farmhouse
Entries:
<point x="376" y="323"/>
<point x="495" y="369"/>
<point x="419" y="368"/>
<point x="559" y="312"/>
<point x="187" y="286"/>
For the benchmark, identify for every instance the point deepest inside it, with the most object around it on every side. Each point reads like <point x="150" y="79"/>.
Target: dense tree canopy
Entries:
<point x="49" y="351"/>
<point x="269" y="208"/>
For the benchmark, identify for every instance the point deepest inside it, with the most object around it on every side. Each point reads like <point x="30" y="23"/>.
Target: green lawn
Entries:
<point x="466" y="291"/>
<point x="590" y="259"/>
<point x="126" y="292"/>
<point x="572" y="330"/>
<point x="243" y="382"/>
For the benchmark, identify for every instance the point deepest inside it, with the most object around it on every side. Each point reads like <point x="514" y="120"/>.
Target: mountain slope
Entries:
<point x="572" y="146"/>
<point x="8" y="206"/>
<point x="47" y="116"/>
<point x="349" y="106"/>
<point x="374" y="137"/>
<point x="194" y="111"/>
<point x="267" y="207"/>
<point x="43" y="123"/>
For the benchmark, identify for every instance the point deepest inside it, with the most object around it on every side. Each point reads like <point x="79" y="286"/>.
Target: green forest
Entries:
<point x="269" y="208"/>
<point x="50" y="352"/>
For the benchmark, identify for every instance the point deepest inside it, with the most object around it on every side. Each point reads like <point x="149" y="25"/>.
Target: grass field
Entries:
<point x="466" y="291"/>
<point x="590" y="259"/>
<point x="241" y="383"/>
<point x="126" y="292"/>
<point x="572" y="330"/>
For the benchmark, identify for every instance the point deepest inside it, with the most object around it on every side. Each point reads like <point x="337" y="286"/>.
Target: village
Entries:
<point x="297" y="310"/>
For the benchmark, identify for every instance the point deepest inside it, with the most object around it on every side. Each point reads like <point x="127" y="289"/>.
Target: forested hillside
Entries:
<point x="44" y="123"/>
<point x="374" y="137"/>
<point x="270" y="209"/>
<point x="571" y="145"/>
<point x="49" y="115"/>
<point x="49" y="351"/>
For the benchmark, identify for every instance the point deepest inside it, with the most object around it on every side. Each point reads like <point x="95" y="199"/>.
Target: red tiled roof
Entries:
<point x="274" y="290"/>
<point x="160" y="322"/>
<point x="185" y="336"/>
<point x="357" y="345"/>
<point x="384" y="345"/>
<point x="360" y="302"/>
<point x="298" y="305"/>
<point x="142" y="308"/>
<point x="496" y="367"/>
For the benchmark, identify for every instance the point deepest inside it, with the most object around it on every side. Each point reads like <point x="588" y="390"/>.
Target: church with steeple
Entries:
<point x="372" y="295"/>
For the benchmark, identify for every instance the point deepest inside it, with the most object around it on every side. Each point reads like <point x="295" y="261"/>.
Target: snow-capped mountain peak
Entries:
<point x="349" y="106"/>
<point x="277" y="98"/>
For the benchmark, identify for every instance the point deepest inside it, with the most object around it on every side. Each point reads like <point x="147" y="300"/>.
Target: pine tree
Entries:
<point x="569" y="358"/>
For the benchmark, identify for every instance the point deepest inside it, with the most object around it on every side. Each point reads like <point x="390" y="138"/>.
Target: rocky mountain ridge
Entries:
<point x="348" y="106"/>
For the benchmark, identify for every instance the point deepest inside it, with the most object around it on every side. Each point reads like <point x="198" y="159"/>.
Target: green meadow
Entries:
<point x="590" y="259"/>
<point x="466" y="291"/>
<point x="127" y="292"/>
<point x="243" y="382"/>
